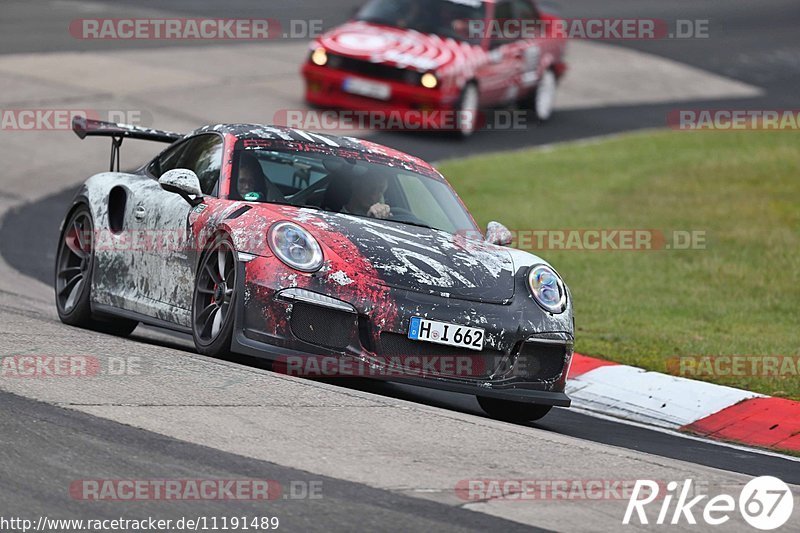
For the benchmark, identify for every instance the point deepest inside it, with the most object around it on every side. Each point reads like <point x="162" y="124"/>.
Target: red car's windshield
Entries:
<point x="447" y="18"/>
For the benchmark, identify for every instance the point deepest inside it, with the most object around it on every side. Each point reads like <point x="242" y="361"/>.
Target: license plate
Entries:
<point x="422" y="329"/>
<point x="370" y="89"/>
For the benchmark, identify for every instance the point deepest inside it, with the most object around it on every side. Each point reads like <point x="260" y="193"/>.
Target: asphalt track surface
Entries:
<point x="66" y="444"/>
<point x="756" y="44"/>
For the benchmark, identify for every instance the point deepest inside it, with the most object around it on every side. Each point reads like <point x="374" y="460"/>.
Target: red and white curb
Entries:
<point x="681" y="404"/>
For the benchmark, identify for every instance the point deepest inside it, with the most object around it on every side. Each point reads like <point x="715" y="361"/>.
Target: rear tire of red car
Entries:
<point x="73" y="280"/>
<point x="214" y="299"/>
<point x="467" y="111"/>
<point x="513" y="411"/>
<point x="544" y="97"/>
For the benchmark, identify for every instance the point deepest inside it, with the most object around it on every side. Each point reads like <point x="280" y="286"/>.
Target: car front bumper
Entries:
<point x="418" y="106"/>
<point x="526" y="358"/>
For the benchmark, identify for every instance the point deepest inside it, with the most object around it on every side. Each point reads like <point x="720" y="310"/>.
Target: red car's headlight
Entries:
<point x="429" y="80"/>
<point x="319" y="57"/>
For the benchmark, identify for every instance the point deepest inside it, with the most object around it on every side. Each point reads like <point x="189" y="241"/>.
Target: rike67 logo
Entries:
<point x="766" y="503"/>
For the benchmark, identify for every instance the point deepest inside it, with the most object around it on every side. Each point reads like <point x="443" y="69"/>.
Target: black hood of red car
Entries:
<point x="429" y="261"/>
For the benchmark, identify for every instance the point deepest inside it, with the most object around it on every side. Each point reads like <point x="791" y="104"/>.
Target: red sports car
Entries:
<point x="454" y="57"/>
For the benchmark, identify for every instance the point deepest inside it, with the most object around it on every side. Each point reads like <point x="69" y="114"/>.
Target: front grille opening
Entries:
<point x="442" y="360"/>
<point x="377" y="70"/>
<point x="365" y="333"/>
<point x="322" y="326"/>
<point x="540" y="361"/>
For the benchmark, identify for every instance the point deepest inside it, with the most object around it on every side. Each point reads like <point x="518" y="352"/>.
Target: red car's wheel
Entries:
<point x="544" y="98"/>
<point x="467" y="110"/>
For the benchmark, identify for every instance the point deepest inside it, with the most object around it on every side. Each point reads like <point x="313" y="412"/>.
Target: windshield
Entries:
<point x="447" y="18"/>
<point x="380" y="188"/>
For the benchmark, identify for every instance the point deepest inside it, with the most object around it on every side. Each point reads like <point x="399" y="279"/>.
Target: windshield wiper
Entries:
<point x="417" y="224"/>
<point x="289" y="204"/>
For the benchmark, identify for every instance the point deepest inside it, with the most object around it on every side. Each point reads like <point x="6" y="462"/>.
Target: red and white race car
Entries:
<point x="454" y="57"/>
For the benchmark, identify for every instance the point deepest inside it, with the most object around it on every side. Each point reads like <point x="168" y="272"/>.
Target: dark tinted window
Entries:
<point x="168" y="160"/>
<point x="524" y="10"/>
<point x="203" y="155"/>
<point x="502" y="12"/>
<point x="447" y="18"/>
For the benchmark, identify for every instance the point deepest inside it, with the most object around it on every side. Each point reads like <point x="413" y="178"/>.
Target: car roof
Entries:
<point x="269" y="131"/>
<point x="293" y="135"/>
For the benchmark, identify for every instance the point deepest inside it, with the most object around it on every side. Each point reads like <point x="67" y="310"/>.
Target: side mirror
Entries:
<point x="498" y="234"/>
<point x="184" y="182"/>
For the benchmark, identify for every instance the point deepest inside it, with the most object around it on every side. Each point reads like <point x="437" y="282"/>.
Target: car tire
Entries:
<point x="544" y="96"/>
<point x="513" y="411"/>
<point x="73" y="277"/>
<point x="214" y="299"/>
<point x="467" y="111"/>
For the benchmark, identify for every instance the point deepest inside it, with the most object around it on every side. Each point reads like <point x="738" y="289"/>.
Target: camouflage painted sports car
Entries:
<point x="326" y="255"/>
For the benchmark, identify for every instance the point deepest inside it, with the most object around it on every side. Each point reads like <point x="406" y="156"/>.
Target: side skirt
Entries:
<point x="107" y="310"/>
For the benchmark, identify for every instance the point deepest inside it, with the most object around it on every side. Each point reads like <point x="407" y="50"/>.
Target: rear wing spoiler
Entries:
<point x="86" y="127"/>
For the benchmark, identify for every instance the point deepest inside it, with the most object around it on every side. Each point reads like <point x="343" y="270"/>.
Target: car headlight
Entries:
<point x="429" y="80"/>
<point x="319" y="57"/>
<point x="295" y="246"/>
<point x="547" y="289"/>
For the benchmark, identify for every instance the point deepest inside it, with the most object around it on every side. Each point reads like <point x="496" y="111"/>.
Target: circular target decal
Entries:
<point x="361" y="41"/>
<point x="404" y="48"/>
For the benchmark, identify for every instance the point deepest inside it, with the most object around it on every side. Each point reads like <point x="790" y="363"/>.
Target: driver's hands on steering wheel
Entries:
<point x="379" y="210"/>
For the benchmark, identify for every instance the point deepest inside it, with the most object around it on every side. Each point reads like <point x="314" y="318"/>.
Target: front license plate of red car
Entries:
<point x="422" y="329"/>
<point x="370" y="89"/>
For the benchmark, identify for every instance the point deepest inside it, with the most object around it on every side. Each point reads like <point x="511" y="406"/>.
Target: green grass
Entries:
<point x="739" y="296"/>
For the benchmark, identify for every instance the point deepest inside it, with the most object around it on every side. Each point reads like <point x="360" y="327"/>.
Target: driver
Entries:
<point x="251" y="178"/>
<point x="367" y="198"/>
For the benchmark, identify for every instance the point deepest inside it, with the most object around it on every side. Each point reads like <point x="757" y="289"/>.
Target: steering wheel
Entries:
<point x="400" y="214"/>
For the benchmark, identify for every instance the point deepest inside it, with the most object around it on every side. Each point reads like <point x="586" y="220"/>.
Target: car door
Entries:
<point x="499" y="79"/>
<point x="168" y="263"/>
<point x="123" y="278"/>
